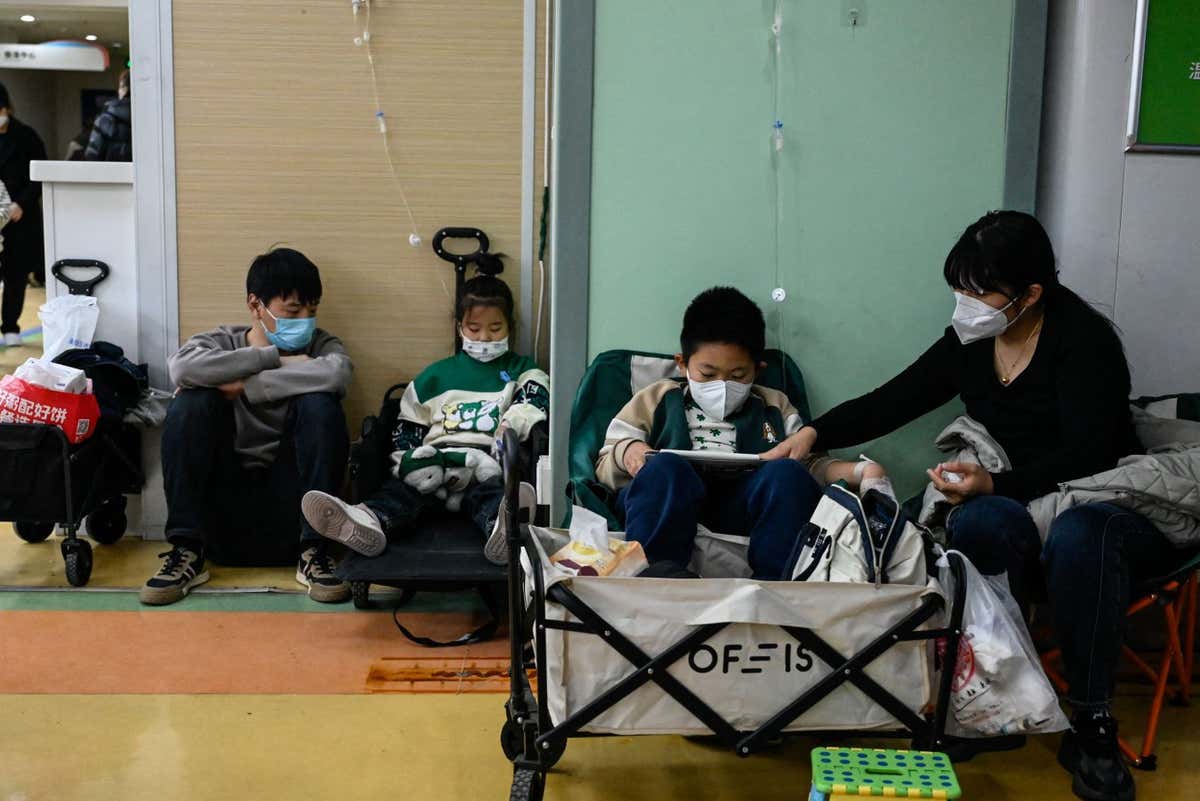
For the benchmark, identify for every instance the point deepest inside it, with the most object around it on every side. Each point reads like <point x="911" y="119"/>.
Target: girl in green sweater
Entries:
<point x="451" y="416"/>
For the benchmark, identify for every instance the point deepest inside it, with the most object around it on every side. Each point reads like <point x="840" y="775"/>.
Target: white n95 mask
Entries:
<point x="485" y="351"/>
<point x="719" y="399"/>
<point x="974" y="320"/>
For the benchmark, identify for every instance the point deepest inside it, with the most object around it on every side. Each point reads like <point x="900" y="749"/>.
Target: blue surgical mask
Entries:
<point x="291" y="333"/>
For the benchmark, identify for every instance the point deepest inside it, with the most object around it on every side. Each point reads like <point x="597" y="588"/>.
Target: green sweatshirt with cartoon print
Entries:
<point x="462" y="402"/>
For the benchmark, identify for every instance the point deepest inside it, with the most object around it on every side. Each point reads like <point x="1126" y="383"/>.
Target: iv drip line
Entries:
<point x="363" y="40"/>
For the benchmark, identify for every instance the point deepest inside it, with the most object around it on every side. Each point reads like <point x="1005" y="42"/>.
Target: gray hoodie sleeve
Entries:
<point x="328" y="370"/>
<point x="212" y="359"/>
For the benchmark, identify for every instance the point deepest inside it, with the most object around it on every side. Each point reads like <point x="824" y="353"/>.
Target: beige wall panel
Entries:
<point x="276" y="143"/>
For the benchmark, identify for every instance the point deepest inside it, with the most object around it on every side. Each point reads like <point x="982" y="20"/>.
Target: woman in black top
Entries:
<point x="1047" y="376"/>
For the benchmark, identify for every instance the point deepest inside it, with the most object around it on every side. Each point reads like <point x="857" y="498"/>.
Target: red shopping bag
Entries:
<point x="22" y="402"/>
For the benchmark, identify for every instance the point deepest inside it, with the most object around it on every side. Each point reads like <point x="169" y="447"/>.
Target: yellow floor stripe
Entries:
<point x="445" y="747"/>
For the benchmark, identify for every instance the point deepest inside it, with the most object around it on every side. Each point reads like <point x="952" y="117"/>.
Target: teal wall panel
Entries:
<point x="895" y="141"/>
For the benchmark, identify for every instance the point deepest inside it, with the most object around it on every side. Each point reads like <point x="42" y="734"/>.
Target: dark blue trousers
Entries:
<point x="668" y="498"/>
<point x="1094" y="557"/>
<point x="254" y="512"/>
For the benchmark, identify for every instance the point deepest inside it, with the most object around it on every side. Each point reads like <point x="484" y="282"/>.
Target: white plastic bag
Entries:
<point x="58" y="377"/>
<point x="68" y="321"/>
<point x="999" y="686"/>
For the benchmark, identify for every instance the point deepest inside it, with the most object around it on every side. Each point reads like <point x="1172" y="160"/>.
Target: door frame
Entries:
<point x="153" y="94"/>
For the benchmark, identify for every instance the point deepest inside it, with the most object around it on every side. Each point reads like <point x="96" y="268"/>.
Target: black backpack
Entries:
<point x="117" y="382"/>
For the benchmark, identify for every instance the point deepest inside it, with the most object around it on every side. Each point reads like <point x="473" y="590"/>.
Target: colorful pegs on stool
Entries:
<point x="845" y="773"/>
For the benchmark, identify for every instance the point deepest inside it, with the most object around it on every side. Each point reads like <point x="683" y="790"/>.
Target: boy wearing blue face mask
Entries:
<point x="715" y="405"/>
<point x="450" y="417"/>
<point x="257" y="422"/>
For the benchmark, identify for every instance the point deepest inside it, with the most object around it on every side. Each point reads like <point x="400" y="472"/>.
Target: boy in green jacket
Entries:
<point x="718" y="407"/>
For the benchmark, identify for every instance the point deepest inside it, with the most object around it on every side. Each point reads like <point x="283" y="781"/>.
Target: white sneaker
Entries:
<point x="13" y="341"/>
<point x="496" y="547"/>
<point x="356" y="527"/>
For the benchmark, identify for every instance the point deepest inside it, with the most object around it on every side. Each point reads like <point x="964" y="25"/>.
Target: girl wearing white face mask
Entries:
<point x="450" y="417"/>
<point x="715" y="405"/>
<point x="1046" y="375"/>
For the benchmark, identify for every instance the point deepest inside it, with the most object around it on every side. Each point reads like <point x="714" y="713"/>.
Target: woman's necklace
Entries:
<point x="1006" y="375"/>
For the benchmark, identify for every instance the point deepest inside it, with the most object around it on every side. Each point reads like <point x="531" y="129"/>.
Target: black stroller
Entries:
<point x="443" y="554"/>
<point x="46" y="482"/>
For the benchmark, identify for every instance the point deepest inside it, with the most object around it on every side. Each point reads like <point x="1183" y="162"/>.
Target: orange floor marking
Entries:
<point x="425" y="675"/>
<point x="227" y="652"/>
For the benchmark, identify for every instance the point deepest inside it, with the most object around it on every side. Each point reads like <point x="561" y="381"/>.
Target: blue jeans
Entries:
<point x="668" y="498"/>
<point x="1094" y="556"/>
<point x="254" y="513"/>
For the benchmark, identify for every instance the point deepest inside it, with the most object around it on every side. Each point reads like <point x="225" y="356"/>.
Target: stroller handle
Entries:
<point x="76" y="287"/>
<point x="460" y="260"/>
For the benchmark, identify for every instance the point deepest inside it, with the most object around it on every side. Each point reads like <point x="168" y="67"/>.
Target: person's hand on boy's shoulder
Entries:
<point x="797" y="446"/>
<point x="635" y="457"/>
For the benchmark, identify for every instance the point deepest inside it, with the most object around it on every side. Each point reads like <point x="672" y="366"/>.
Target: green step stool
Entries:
<point x="855" y="772"/>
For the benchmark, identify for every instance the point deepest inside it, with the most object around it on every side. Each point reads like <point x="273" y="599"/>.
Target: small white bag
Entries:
<point x="999" y="686"/>
<point x="68" y="322"/>
<point x="869" y="540"/>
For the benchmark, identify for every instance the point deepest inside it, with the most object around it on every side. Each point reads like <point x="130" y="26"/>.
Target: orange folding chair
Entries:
<point x="1175" y="594"/>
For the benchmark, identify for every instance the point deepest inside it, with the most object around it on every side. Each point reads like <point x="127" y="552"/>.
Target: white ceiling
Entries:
<point x="110" y="24"/>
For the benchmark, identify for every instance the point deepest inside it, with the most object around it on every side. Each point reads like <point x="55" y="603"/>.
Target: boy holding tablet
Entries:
<point x="715" y="406"/>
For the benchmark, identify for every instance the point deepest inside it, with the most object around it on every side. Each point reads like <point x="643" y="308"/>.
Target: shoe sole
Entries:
<point x="321" y="594"/>
<point x="155" y="596"/>
<point x="495" y="550"/>
<point x="326" y="515"/>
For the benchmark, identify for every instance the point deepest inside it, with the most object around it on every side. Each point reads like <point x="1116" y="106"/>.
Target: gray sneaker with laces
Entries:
<point x="182" y="569"/>
<point x="315" y="571"/>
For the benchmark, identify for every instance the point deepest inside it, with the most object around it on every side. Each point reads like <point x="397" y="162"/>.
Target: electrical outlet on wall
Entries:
<point x="854" y="13"/>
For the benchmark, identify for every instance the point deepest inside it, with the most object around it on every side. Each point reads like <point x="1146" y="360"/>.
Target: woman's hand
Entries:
<point x="15" y="212"/>
<point x="797" y="446"/>
<point x="973" y="480"/>
<point x="635" y="457"/>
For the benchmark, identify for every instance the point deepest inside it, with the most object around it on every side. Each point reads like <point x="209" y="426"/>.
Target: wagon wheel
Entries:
<point x="527" y="785"/>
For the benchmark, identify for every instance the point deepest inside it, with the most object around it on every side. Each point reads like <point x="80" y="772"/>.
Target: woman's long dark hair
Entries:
<point x="1008" y="252"/>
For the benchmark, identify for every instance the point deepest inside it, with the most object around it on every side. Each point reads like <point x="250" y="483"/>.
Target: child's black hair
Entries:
<point x="487" y="290"/>
<point x="723" y="314"/>
<point x="279" y="273"/>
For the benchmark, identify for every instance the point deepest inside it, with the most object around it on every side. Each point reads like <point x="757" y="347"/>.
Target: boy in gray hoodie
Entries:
<point x="256" y="422"/>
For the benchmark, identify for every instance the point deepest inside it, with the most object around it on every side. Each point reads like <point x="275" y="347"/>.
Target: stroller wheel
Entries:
<point x="107" y="524"/>
<point x="79" y="563"/>
<point x="34" y="532"/>
<point x="512" y="740"/>
<point x="360" y="591"/>
<point x="528" y="785"/>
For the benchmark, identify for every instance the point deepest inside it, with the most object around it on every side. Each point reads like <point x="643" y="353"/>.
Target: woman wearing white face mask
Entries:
<point x="1046" y="376"/>
<point x="715" y="405"/>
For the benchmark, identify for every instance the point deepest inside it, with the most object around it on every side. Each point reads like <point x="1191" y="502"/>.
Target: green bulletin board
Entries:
<point x="1164" y="111"/>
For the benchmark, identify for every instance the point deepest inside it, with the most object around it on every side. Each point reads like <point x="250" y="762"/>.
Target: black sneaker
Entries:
<point x="182" y="569"/>
<point x="315" y="571"/>
<point x="1090" y="753"/>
